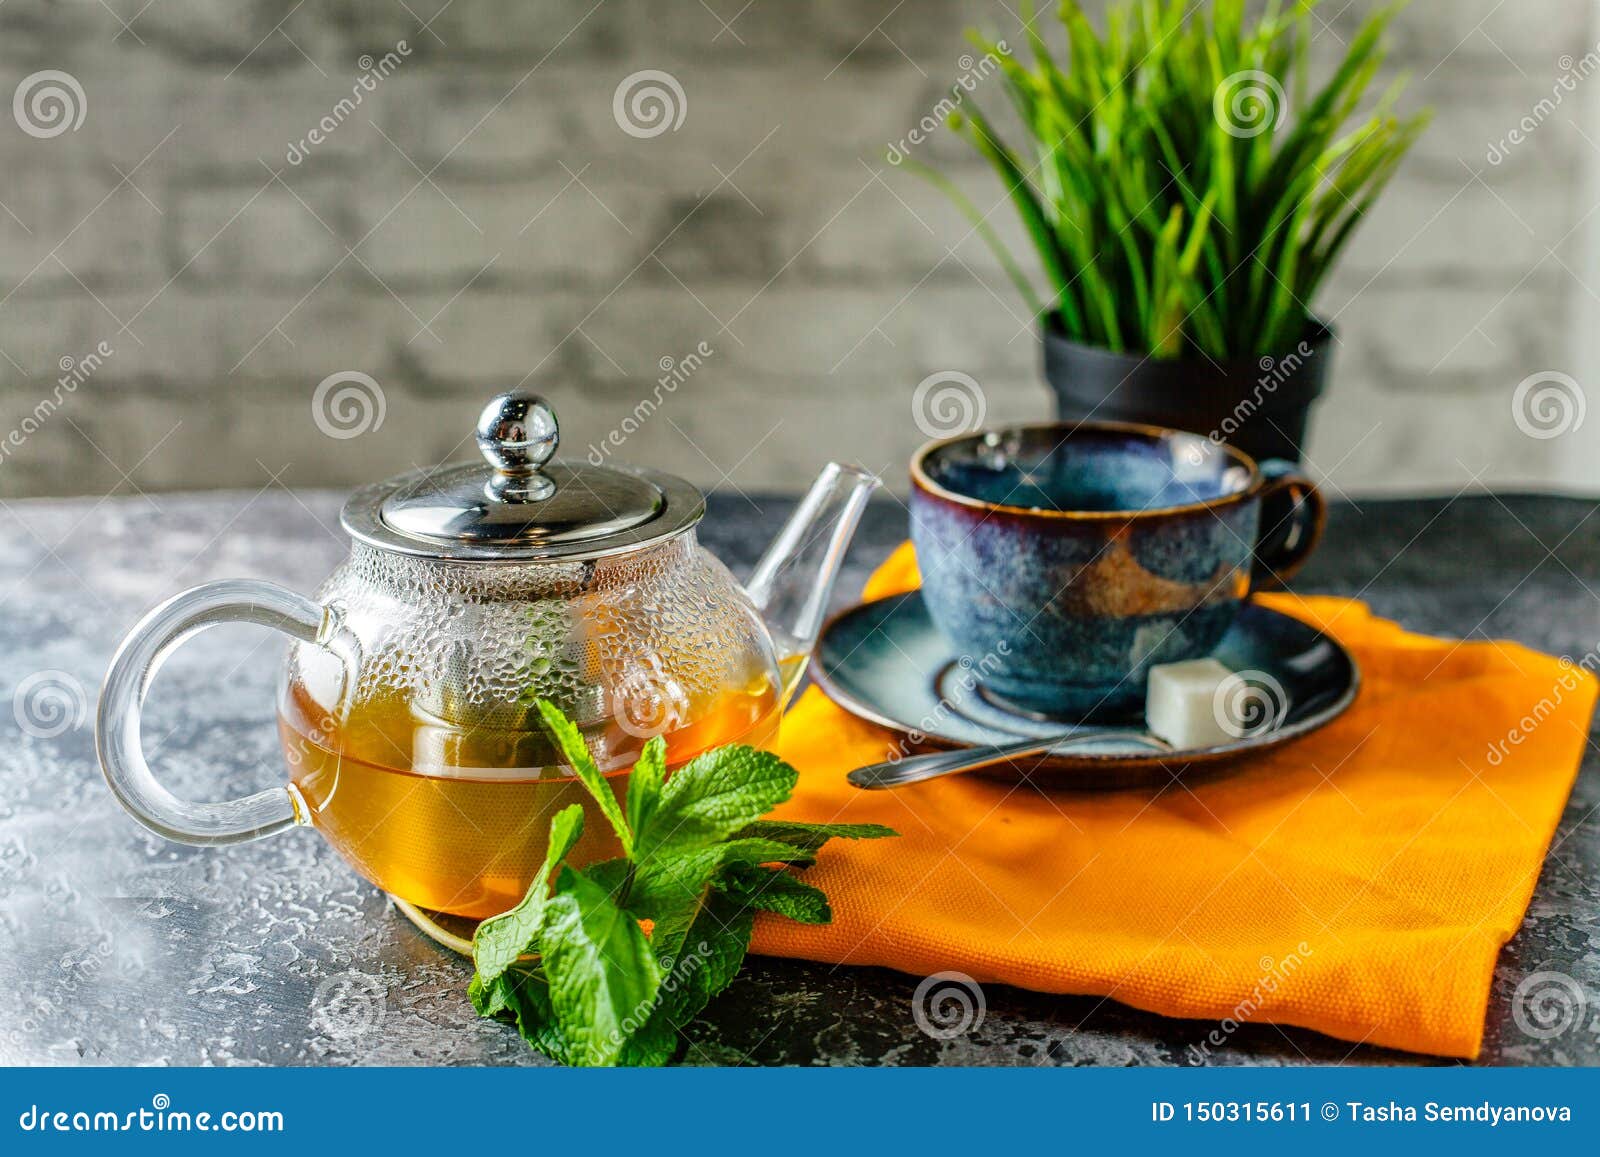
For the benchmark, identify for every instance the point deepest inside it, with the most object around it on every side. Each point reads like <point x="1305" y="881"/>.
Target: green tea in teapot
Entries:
<point x="455" y="819"/>
<point x="473" y="591"/>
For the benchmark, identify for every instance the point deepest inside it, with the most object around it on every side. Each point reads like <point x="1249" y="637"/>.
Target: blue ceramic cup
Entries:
<point x="1073" y="557"/>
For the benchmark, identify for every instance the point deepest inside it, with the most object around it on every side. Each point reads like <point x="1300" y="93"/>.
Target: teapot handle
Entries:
<point x="147" y="646"/>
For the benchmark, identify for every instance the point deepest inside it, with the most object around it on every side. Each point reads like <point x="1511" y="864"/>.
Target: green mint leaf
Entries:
<point x="602" y="973"/>
<point x="775" y="890"/>
<point x="698" y="864"/>
<point x="488" y="996"/>
<point x="499" y="940"/>
<point x="523" y="996"/>
<point x="652" y="1045"/>
<point x="570" y="740"/>
<point x="714" y="795"/>
<point x="668" y="935"/>
<point x="665" y="884"/>
<point x="811" y="837"/>
<point x="710" y="957"/>
<point x="670" y="889"/>
<point x="615" y="876"/>
<point x="644" y="785"/>
<point x="755" y="850"/>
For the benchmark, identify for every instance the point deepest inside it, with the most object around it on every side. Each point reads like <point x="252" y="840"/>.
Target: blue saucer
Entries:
<point x="887" y="663"/>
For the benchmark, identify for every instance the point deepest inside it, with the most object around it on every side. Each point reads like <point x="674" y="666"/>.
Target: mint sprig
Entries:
<point x="571" y="964"/>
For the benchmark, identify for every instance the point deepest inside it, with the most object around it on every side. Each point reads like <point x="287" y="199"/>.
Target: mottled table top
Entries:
<point x="119" y="948"/>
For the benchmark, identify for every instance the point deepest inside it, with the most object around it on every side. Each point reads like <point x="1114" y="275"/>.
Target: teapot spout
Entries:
<point x="794" y="579"/>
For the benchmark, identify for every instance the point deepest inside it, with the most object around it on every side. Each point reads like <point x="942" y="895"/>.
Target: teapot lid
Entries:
<point x="518" y="505"/>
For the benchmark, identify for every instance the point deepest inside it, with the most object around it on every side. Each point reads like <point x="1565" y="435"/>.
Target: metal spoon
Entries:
<point x="916" y="768"/>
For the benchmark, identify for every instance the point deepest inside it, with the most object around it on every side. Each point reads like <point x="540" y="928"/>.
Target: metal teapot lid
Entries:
<point x="519" y="505"/>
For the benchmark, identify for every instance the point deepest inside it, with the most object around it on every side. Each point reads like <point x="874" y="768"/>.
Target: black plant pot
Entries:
<point x="1260" y="405"/>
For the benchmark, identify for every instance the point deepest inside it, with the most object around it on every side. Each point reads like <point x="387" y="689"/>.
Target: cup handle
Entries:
<point x="1293" y="513"/>
<point x="122" y="699"/>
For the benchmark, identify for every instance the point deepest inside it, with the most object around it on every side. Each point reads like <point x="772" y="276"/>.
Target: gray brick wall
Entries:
<point x="481" y="219"/>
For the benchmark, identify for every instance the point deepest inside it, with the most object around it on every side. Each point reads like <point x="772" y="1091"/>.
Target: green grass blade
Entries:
<point x="1158" y="230"/>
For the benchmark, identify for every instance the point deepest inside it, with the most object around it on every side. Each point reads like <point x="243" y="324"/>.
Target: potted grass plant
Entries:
<point x="1187" y="190"/>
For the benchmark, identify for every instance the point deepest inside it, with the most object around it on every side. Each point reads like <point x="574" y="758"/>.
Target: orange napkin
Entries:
<point x="1359" y="882"/>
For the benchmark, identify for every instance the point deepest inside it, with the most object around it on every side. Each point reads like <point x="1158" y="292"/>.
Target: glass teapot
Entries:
<point x="406" y="704"/>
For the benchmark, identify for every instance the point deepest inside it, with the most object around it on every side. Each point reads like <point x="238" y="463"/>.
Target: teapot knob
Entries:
<point x="517" y="432"/>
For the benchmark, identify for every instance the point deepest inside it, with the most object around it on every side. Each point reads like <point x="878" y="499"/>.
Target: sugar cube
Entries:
<point x="1181" y="703"/>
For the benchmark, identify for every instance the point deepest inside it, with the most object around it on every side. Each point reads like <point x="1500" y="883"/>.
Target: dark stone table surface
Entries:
<point x="117" y="947"/>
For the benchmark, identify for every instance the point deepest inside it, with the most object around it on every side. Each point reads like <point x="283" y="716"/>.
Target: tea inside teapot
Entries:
<point x="471" y="592"/>
<point x="434" y="777"/>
